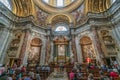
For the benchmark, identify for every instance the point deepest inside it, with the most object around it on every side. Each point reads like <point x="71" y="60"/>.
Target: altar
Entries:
<point x="61" y="59"/>
<point x="61" y="50"/>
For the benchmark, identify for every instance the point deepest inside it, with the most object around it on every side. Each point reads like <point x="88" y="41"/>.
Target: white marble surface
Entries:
<point x="55" y="76"/>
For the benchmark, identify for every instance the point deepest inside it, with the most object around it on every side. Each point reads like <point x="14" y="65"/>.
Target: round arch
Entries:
<point x="68" y="17"/>
<point x="88" y="51"/>
<point x="85" y="40"/>
<point x="36" y="42"/>
<point x="34" y="52"/>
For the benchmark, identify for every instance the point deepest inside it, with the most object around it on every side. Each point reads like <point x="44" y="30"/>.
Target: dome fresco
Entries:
<point x="51" y="12"/>
<point x="58" y="6"/>
<point x="44" y="36"/>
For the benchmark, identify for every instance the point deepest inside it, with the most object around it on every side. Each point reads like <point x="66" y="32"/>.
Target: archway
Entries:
<point x="88" y="51"/>
<point x="34" y="52"/>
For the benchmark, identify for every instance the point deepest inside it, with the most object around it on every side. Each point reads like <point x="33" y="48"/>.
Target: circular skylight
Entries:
<point x="58" y="3"/>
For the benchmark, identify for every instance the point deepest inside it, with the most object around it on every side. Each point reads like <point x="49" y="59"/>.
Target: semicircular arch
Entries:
<point x="69" y="17"/>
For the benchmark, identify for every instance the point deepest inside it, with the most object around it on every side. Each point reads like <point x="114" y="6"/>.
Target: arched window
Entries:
<point x="6" y="3"/>
<point x="61" y="28"/>
<point x="60" y="3"/>
<point x="47" y="1"/>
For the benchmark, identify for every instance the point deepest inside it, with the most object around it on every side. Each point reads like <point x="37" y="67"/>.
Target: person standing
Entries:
<point x="38" y="76"/>
<point x="90" y="76"/>
<point x="71" y="75"/>
<point x="27" y="77"/>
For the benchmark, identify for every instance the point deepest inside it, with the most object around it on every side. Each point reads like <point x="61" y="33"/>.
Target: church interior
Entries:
<point x="63" y="36"/>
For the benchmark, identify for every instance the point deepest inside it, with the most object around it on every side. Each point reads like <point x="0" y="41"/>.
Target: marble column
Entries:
<point x="78" y="48"/>
<point x="24" y="46"/>
<point x="51" y="53"/>
<point x="4" y="40"/>
<point x="98" y="45"/>
<point x="74" y="48"/>
<point x="43" y="49"/>
<point x="47" y="49"/>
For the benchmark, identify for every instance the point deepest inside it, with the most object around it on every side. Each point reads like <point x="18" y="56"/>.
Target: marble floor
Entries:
<point x="58" y="76"/>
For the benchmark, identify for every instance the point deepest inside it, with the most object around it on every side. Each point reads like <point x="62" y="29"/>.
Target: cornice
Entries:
<point x="7" y="14"/>
<point x="93" y="18"/>
<point x="97" y="19"/>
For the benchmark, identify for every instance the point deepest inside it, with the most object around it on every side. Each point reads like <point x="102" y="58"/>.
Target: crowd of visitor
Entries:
<point x="21" y="73"/>
<point x="92" y="71"/>
<point x="89" y="71"/>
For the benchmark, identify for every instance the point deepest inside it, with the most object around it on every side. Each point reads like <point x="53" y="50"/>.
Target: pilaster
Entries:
<point x="52" y="51"/>
<point x="74" y="45"/>
<point x="97" y="43"/>
<point x="24" y="45"/>
<point x="4" y="40"/>
<point x="43" y="49"/>
<point x="78" y="48"/>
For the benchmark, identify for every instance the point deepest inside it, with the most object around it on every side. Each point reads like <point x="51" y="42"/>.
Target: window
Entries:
<point x="60" y="3"/>
<point x="57" y="3"/>
<point x="61" y="28"/>
<point x="47" y="1"/>
<point x="6" y="3"/>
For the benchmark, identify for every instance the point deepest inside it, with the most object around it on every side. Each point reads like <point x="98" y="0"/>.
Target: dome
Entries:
<point x="58" y="6"/>
<point x="58" y="3"/>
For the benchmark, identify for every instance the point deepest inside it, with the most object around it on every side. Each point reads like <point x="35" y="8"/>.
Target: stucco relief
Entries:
<point x="14" y="45"/>
<point x="41" y="17"/>
<point x="79" y="15"/>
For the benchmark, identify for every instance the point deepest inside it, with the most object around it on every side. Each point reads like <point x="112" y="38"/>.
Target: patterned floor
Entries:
<point x="58" y="76"/>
